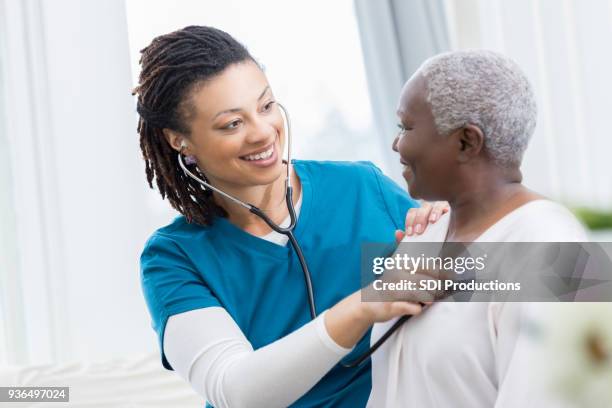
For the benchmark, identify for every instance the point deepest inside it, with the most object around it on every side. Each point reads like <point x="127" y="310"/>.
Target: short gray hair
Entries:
<point x="485" y="89"/>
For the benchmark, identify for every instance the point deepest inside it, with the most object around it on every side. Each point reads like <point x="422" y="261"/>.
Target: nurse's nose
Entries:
<point x="261" y="131"/>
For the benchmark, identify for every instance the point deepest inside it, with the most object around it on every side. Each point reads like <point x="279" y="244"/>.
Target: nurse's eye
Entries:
<point x="232" y="125"/>
<point x="268" y="106"/>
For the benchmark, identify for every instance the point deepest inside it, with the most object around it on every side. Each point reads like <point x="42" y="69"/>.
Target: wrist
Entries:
<point x="348" y="321"/>
<point x="360" y="311"/>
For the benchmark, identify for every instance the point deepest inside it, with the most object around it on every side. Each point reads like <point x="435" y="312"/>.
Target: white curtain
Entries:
<point x="12" y="330"/>
<point x="561" y="45"/>
<point x="396" y="37"/>
<point x="73" y="200"/>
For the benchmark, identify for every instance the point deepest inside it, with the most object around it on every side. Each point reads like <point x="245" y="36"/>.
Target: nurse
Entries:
<point x="225" y="293"/>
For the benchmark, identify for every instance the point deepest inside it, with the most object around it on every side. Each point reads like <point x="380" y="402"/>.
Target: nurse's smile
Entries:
<point x="265" y="157"/>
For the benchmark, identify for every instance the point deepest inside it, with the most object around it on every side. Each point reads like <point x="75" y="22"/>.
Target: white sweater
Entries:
<point x="469" y="354"/>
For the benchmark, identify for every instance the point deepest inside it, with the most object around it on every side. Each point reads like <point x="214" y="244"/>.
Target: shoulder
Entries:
<point x="343" y="177"/>
<point x="179" y="227"/>
<point x="170" y="269"/>
<point x="357" y="185"/>
<point x="547" y="221"/>
<point x="174" y="239"/>
<point x="337" y="168"/>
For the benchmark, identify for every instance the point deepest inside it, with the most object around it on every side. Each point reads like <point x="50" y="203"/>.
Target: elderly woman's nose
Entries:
<point x="394" y="145"/>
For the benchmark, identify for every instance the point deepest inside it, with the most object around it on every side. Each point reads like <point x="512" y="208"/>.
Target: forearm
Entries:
<point x="347" y="321"/>
<point x="221" y="364"/>
<point x="275" y="375"/>
<point x="209" y="350"/>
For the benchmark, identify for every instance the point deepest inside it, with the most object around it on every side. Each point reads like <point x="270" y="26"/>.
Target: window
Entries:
<point x="312" y="57"/>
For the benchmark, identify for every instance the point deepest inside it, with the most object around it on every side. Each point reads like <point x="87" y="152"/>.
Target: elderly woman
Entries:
<point x="466" y="119"/>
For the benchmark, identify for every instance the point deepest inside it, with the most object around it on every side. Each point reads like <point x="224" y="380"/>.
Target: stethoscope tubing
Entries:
<point x="288" y="232"/>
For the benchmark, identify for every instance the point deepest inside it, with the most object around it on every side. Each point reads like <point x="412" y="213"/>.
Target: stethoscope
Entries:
<point x="288" y="232"/>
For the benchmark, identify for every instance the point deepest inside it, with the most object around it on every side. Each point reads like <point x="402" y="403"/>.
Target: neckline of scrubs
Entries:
<point x="243" y="238"/>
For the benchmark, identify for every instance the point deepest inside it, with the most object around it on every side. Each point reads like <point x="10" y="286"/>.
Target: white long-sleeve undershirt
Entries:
<point x="207" y="348"/>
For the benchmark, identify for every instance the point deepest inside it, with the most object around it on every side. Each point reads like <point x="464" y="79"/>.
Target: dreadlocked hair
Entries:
<point x="172" y="66"/>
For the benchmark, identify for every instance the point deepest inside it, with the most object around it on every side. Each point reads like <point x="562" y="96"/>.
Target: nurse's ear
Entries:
<point x="176" y="140"/>
<point x="470" y="142"/>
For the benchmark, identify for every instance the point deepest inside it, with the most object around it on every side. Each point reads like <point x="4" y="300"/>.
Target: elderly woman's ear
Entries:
<point x="470" y="143"/>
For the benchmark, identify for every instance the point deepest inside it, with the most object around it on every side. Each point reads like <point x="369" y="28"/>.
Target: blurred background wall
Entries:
<point x="75" y="210"/>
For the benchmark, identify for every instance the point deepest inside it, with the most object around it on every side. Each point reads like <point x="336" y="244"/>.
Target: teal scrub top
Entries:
<point x="260" y="284"/>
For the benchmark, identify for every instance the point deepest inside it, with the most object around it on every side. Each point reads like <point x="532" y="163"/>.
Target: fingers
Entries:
<point x="405" y="308"/>
<point x="412" y="288"/>
<point x="399" y="235"/>
<point x="383" y="311"/>
<point x="416" y="219"/>
<point x="397" y="285"/>
<point x="438" y="208"/>
<point x="409" y="223"/>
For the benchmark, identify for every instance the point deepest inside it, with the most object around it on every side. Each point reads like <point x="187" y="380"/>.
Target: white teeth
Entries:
<point x="262" y="155"/>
